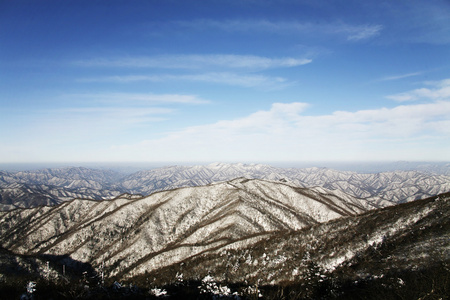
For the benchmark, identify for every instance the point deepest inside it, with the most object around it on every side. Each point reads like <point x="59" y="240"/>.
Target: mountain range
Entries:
<point x="54" y="186"/>
<point x="252" y="234"/>
<point x="130" y="236"/>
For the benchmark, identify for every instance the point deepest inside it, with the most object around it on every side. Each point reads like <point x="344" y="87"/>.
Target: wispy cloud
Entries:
<point x="245" y="80"/>
<point x="134" y="98"/>
<point x="228" y="78"/>
<point x="78" y="126"/>
<point x="81" y="117"/>
<point x="397" y="77"/>
<point x="117" y="115"/>
<point x="356" y="33"/>
<point x="222" y="61"/>
<point x="440" y="90"/>
<point x="236" y="70"/>
<point x="349" y="31"/>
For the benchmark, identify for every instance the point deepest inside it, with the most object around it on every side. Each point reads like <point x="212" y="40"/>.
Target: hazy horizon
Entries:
<point x="131" y="167"/>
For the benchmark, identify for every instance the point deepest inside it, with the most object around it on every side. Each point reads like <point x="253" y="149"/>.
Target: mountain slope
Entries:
<point x="401" y="239"/>
<point x="131" y="236"/>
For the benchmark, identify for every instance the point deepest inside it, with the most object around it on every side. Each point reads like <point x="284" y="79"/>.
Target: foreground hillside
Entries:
<point x="243" y="236"/>
<point x="410" y="236"/>
<point x="53" y="186"/>
<point x="399" y="252"/>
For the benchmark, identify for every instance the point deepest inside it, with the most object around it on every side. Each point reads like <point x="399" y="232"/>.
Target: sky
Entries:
<point x="230" y="81"/>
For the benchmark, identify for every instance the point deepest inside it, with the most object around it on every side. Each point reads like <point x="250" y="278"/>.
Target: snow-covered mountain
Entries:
<point x="397" y="187"/>
<point x="70" y="177"/>
<point x="132" y="236"/>
<point x="262" y="237"/>
<point x="388" y="244"/>
<point x="51" y="186"/>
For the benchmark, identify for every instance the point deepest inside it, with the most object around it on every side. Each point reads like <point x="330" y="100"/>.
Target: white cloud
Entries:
<point x="440" y="90"/>
<point x="350" y="32"/>
<point x="285" y="133"/>
<point x="397" y="77"/>
<point x="356" y="33"/>
<point x="228" y="78"/>
<point x="130" y="98"/>
<point x="245" y="80"/>
<point x="402" y="97"/>
<point x="223" y="61"/>
<point x="236" y="70"/>
<point x="111" y="114"/>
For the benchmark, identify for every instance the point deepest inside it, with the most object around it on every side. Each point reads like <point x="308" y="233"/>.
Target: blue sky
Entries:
<point x="234" y="81"/>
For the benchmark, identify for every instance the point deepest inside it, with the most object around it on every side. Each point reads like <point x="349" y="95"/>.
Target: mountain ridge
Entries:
<point x="28" y="189"/>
